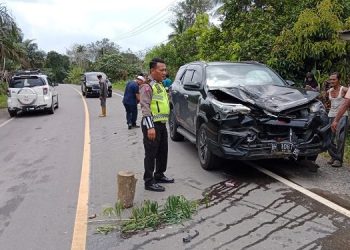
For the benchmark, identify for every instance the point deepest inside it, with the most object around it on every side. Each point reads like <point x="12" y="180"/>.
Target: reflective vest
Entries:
<point x="160" y="103"/>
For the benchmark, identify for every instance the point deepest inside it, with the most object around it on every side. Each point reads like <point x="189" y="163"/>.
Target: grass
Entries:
<point x="120" y="85"/>
<point x="150" y="215"/>
<point x="3" y="101"/>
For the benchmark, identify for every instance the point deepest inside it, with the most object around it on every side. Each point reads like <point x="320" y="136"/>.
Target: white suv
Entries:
<point x="30" y="91"/>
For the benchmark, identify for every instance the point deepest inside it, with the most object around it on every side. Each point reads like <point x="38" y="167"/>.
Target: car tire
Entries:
<point x="207" y="159"/>
<point x="110" y="94"/>
<point x="57" y="106"/>
<point x="174" y="135"/>
<point x="51" y="110"/>
<point x="12" y="113"/>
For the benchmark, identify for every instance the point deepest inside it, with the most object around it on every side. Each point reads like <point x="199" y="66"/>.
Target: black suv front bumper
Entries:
<point x="248" y="143"/>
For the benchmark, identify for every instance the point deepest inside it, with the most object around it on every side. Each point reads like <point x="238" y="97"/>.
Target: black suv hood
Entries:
<point x="272" y="98"/>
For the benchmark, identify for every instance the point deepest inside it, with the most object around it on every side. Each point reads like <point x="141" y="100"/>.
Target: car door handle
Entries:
<point x="186" y="96"/>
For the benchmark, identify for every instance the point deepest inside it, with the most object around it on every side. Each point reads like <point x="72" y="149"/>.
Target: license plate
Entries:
<point x="284" y="147"/>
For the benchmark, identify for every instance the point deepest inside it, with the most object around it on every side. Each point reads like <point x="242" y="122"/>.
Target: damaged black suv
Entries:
<point x="245" y="111"/>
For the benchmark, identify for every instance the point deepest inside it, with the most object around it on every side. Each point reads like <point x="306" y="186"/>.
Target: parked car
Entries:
<point x="90" y="85"/>
<point x="31" y="91"/>
<point x="245" y="111"/>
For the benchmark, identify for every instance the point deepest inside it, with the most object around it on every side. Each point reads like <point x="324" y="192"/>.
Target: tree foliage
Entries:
<point x="291" y="36"/>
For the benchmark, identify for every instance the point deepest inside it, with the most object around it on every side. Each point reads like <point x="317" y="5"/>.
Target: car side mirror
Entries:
<point x="192" y="85"/>
<point x="290" y="83"/>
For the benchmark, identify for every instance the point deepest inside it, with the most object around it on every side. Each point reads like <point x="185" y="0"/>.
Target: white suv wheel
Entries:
<point x="26" y="96"/>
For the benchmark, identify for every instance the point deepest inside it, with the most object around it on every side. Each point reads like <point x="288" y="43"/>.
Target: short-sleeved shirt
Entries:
<point x="131" y="89"/>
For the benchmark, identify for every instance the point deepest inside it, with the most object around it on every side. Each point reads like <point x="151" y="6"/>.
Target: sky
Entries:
<point x="59" y="24"/>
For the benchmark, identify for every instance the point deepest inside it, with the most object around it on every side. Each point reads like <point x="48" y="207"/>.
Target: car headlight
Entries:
<point x="317" y="107"/>
<point x="231" y="107"/>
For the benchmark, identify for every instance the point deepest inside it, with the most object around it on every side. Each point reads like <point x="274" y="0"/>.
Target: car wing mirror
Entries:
<point x="290" y="83"/>
<point x="192" y="85"/>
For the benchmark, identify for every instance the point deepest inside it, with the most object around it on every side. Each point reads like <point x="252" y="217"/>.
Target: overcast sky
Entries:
<point x="58" y="24"/>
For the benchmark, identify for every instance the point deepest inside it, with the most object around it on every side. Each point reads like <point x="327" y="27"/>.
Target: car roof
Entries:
<point x="24" y="73"/>
<point x="225" y="63"/>
<point x="94" y="73"/>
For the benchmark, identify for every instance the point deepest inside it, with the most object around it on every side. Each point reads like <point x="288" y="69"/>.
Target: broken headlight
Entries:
<point x="317" y="107"/>
<point x="233" y="108"/>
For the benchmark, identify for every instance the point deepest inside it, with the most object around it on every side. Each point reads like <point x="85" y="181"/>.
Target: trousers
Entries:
<point x="131" y="113"/>
<point x="336" y="148"/>
<point x="156" y="153"/>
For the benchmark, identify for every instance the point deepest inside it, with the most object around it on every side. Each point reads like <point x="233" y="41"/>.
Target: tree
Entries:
<point x="58" y="65"/>
<point x="100" y="48"/>
<point x="313" y="43"/>
<point x="35" y="57"/>
<point x="185" y="14"/>
<point x="79" y="56"/>
<point x="10" y="39"/>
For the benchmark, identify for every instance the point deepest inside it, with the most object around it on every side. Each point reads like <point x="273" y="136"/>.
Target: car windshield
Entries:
<point x="18" y="82"/>
<point x="93" y="76"/>
<point x="233" y="75"/>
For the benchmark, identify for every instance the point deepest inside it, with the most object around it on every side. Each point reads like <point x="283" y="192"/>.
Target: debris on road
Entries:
<point x="189" y="237"/>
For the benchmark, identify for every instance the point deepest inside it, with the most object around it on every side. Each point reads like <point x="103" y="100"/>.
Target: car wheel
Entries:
<point x="174" y="135"/>
<point x="57" y="106"/>
<point x="12" y="113"/>
<point x="208" y="160"/>
<point x="110" y="94"/>
<point x="52" y="108"/>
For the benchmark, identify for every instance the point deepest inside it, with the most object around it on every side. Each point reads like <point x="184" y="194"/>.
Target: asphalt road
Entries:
<point x="40" y="173"/>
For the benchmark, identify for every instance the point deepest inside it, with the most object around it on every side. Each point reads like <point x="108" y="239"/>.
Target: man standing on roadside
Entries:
<point x="155" y="112"/>
<point x="336" y="96"/>
<point x="131" y="99"/>
<point x="103" y="94"/>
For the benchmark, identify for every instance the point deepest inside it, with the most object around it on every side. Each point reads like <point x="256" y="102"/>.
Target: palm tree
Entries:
<point x="179" y="27"/>
<point x="10" y="39"/>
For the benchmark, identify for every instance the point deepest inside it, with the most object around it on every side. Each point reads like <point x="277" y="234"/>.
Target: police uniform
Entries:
<point x="155" y="112"/>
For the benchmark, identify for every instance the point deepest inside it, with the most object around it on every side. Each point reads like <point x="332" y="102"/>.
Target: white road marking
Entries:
<point x="4" y="123"/>
<point x="302" y="190"/>
<point x="81" y="217"/>
<point x="114" y="93"/>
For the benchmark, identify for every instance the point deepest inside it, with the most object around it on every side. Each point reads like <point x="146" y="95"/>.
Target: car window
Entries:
<point x="180" y="74"/>
<point x="197" y="74"/>
<point x="188" y="76"/>
<point x="26" y="82"/>
<point x="93" y="76"/>
<point x="235" y="75"/>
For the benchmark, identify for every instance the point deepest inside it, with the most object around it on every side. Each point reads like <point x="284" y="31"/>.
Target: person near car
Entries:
<point x="310" y="82"/>
<point x="155" y="112"/>
<point x="336" y="96"/>
<point x="103" y="95"/>
<point x="131" y="99"/>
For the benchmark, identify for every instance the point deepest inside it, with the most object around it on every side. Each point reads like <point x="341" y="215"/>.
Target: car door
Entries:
<point x="52" y="90"/>
<point x="176" y="95"/>
<point x="195" y="76"/>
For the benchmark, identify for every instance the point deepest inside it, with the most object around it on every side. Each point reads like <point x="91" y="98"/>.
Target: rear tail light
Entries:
<point x="45" y="91"/>
<point x="9" y="93"/>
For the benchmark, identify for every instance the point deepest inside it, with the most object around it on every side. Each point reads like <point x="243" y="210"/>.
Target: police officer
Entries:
<point x="155" y="112"/>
